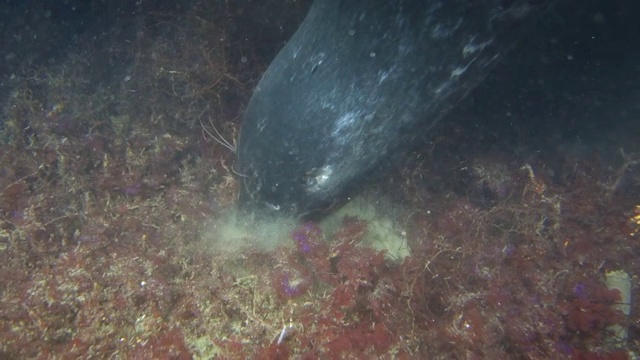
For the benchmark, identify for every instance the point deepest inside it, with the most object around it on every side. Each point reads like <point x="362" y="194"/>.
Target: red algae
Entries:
<point x="102" y="253"/>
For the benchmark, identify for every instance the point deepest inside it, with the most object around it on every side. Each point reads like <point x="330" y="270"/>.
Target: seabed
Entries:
<point x="119" y="236"/>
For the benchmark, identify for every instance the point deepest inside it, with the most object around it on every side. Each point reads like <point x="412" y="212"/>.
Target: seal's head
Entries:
<point x="352" y="85"/>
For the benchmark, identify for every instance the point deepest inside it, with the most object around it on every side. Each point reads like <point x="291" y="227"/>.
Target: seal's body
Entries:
<point x="353" y="83"/>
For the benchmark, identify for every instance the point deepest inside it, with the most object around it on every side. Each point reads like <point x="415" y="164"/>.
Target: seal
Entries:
<point x="354" y="84"/>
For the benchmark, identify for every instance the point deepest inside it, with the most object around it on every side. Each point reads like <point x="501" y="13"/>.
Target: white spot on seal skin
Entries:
<point x="382" y="76"/>
<point x="316" y="182"/>
<point x="272" y="206"/>
<point x="316" y="60"/>
<point x="324" y="175"/>
<point x="444" y="30"/>
<point x="455" y="73"/>
<point x="341" y="126"/>
<point x="296" y="51"/>
<point x="262" y="123"/>
<point x="460" y="69"/>
<point x="472" y="48"/>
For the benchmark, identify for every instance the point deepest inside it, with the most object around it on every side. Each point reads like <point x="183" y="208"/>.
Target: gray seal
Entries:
<point x="354" y="84"/>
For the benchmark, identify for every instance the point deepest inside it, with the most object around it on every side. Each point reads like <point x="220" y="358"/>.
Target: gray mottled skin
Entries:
<point x="353" y="83"/>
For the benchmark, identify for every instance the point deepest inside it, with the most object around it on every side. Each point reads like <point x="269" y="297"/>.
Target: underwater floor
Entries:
<point x="119" y="236"/>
